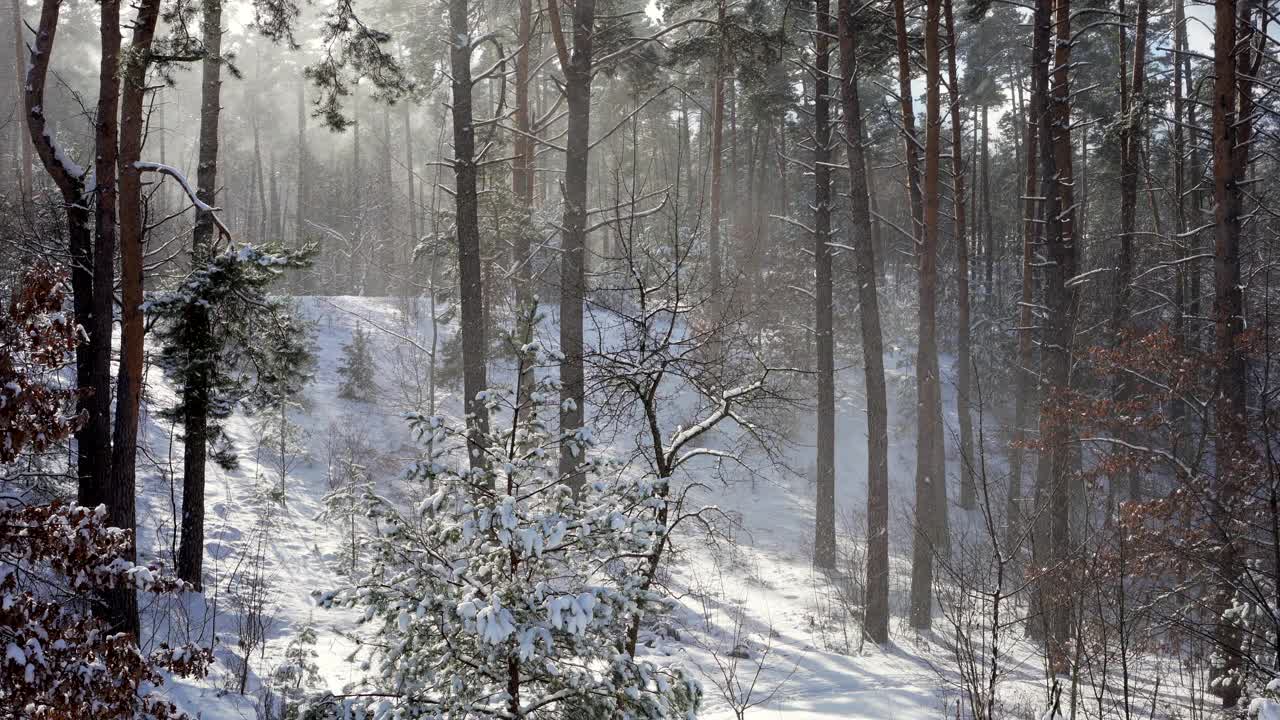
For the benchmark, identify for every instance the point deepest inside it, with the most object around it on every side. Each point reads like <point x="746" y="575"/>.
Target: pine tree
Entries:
<point x="357" y="369"/>
<point x="242" y="349"/>
<point x="502" y="593"/>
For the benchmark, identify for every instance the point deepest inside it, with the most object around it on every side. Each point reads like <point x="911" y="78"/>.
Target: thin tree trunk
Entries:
<point x="413" y="280"/>
<point x="195" y="393"/>
<point x="474" y="358"/>
<point x="93" y="439"/>
<point x="1053" y="474"/>
<point x="824" y="555"/>
<point x="1231" y="134"/>
<point x="930" y="479"/>
<point x="717" y="161"/>
<point x="865" y="275"/>
<point x="301" y="195"/>
<point x="910" y="141"/>
<point x="1131" y="108"/>
<point x="968" y="460"/>
<point x="1026" y="374"/>
<point x="106" y="241"/>
<point x="522" y="168"/>
<point x="988" y="238"/>
<point x="124" y="602"/>
<point x="25" y="186"/>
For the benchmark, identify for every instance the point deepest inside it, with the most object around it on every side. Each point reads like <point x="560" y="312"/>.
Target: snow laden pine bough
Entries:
<point x="502" y="594"/>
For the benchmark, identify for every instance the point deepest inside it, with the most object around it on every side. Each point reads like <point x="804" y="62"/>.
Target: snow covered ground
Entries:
<point x="755" y="595"/>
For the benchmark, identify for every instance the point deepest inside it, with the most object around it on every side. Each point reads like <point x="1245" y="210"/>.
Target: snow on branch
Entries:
<point x="200" y="205"/>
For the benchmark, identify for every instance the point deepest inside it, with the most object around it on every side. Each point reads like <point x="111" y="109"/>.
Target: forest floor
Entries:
<point x="752" y="591"/>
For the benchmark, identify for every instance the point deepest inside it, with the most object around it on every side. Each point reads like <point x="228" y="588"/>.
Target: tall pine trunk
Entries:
<point x="199" y="345"/>
<point x="1026" y="372"/>
<point x="964" y="380"/>
<point x="106" y="241"/>
<point x="1131" y="108"/>
<point x="1054" y="469"/>
<point x="93" y="438"/>
<point x="824" y="555"/>
<point x="930" y="532"/>
<point x="474" y="375"/>
<point x="577" y="74"/>
<point x="716" y="259"/>
<point x="1231" y="134"/>
<point x="124" y="452"/>
<point x="865" y="275"/>
<point x="911" y="143"/>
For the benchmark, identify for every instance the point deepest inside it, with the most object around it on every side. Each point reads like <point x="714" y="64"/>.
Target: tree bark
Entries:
<point x="716" y="258"/>
<point x="1132" y="108"/>
<point x="911" y="143"/>
<point x="824" y="554"/>
<point x="301" y="195"/>
<point x="1026" y="372"/>
<point x="132" y="235"/>
<point x="930" y="532"/>
<point x="106" y="175"/>
<point x="577" y="74"/>
<point x="964" y="380"/>
<point x="25" y="183"/>
<point x="522" y="167"/>
<point x="1054" y="470"/>
<point x="474" y="360"/>
<point x="93" y="439"/>
<point x="865" y="275"/>
<point x="1231" y="134"/>
<point x="195" y="393"/>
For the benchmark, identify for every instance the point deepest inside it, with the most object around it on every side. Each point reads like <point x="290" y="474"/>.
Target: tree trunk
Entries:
<point x="1053" y="473"/>
<point x="930" y="530"/>
<point x="877" y="588"/>
<point x="301" y="198"/>
<point x="474" y="360"/>
<point x="716" y="259"/>
<point x="101" y="327"/>
<point x="522" y="168"/>
<point x="824" y="554"/>
<point x="1026" y="373"/>
<point x="195" y="393"/>
<point x="968" y="460"/>
<point x="577" y="74"/>
<point x="25" y="186"/>
<point x="93" y="439"/>
<point x="910" y="141"/>
<point x="1231" y="134"/>
<point x="1131" y="108"/>
<point x="132" y="234"/>
<point x="413" y="280"/>
<point x="988" y="238"/>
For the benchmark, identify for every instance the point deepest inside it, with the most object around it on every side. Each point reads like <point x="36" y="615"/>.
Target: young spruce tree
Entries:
<point x="356" y="369"/>
<point x="502" y="594"/>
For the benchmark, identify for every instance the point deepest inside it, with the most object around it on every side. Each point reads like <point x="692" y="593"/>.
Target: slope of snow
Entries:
<point x="756" y="594"/>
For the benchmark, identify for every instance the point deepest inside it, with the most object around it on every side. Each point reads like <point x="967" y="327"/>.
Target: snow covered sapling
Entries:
<point x="357" y="369"/>
<point x="503" y="595"/>
<point x="298" y="675"/>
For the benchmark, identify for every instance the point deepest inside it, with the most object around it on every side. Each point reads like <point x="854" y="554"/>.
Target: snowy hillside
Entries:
<point x="763" y="630"/>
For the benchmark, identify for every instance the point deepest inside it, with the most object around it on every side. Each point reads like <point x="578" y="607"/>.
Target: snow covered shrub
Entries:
<point x="1267" y="705"/>
<point x="357" y="369"/>
<point x="61" y="661"/>
<point x="298" y="675"/>
<point x="501" y="594"/>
